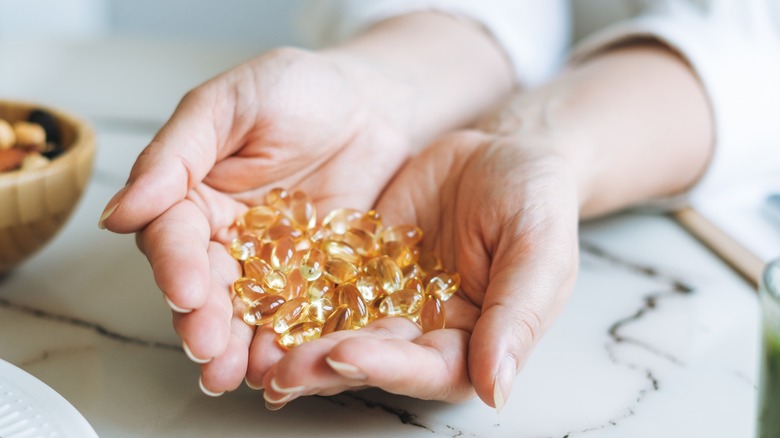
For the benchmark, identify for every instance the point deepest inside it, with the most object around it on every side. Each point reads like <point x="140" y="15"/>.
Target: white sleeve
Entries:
<point x="734" y="48"/>
<point x="534" y="34"/>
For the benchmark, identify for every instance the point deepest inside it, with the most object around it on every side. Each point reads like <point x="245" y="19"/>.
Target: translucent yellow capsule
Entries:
<point x="405" y="302"/>
<point x="257" y="268"/>
<point x="248" y="289"/>
<point x="312" y="264"/>
<point x="373" y="307"/>
<point x="319" y="233"/>
<point x="369" y="286"/>
<point x="244" y="247"/>
<point x="296" y="287"/>
<point x="281" y="230"/>
<point x="340" y="319"/>
<point x="262" y="310"/>
<point x="275" y="281"/>
<point x="320" y="309"/>
<point x="361" y="241"/>
<point x="370" y="222"/>
<point x="320" y="288"/>
<point x="339" y="271"/>
<point x="278" y="198"/>
<point x="299" y="333"/>
<point x="348" y="295"/>
<point x="432" y="314"/>
<point x="335" y="249"/>
<point x="283" y="254"/>
<point x="428" y="261"/>
<point x="290" y="313"/>
<point x="258" y="219"/>
<point x="400" y="253"/>
<point x="412" y="272"/>
<point x="302" y="210"/>
<point x="387" y="271"/>
<point x="409" y="235"/>
<point x="341" y="219"/>
<point x="416" y="284"/>
<point x="442" y="284"/>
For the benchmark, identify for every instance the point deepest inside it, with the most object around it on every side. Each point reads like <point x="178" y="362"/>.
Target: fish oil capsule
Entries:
<point x="416" y="284"/>
<point x="244" y="247"/>
<point x="257" y="219"/>
<point x="290" y="313"/>
<point x="409" y="235"/>
<point x="279" y="199"/>
<point x="256" y="268"/>
<point x="283" y="254"/>
<point x="400" y="253"/>
<point x="281" y="230"/>
<point x="335" y="249"/>
<point x="373" y="307"/>
<point x="296" y="286"/>
<point x="432" y="314"/>
<point x="302" y="211"/>
<point x="341" y="219"/>
<point x="387" y="271"/>
<point x="405" y="302"/>
<point x="320" y="309"/>
<point x="275" y="281"/>
<point x="370" y="222"/>
<point x="412" y="272"/>
<point x="320" y="288"/>
<point x="262" y="310"/>
<point x="428" y="261"/>
<point x="348" y="295"/>
<point x="369" y="287"/>
<point x="299" y="333"/>
<point x="319" y="233"/>
<point x="248" y="289"/>
<point x="363" y="242"/>
<point x="312" y="264"/>
<point x="442" y="284"/>
<point x="340" y="319"/>
<point x="339" y="271"/>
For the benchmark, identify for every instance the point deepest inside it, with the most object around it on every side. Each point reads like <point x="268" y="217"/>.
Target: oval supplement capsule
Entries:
<point x="432" y="314"/>
<point x="299" y="333"/>
<point x="405" y="302"/>
<point x="262" y="310"/>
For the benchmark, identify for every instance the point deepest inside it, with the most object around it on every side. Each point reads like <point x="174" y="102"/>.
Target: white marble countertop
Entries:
<point x="660" y="338"/>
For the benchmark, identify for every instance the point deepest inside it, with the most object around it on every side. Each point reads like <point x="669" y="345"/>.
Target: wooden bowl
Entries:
<point x="34" y="204"/>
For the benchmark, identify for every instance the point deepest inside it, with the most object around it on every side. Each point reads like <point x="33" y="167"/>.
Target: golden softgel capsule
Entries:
<point x="307" y="279"/>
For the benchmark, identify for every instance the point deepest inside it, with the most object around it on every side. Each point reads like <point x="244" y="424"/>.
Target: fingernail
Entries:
<point x="272" y="407"/>
<point x="347" y="370"/>
<point x="275" y="386"/>
<point x="279" y="401"/>
<point x="106" y="213"/>
<point x="251" y="386"/>
<point x="206" y="390"/>
<point x="111" y="207"/>
<point x="174" y="307"/>
<point x="502" y="385"/>
<point x="192" y="357"/>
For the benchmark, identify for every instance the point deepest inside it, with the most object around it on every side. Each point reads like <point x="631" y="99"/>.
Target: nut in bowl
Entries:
<point x="46" y="158"/>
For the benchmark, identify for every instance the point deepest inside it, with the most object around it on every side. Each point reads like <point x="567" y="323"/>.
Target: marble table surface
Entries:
<point x="660" y="338"/>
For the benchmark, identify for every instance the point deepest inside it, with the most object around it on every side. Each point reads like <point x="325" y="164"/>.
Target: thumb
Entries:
<point x="527" y="289"/>
<point x="178" y="158"/>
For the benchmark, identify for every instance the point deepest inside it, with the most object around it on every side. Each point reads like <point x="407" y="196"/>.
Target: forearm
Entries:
<point x="428" y="72"/>
<point x="632" y="122"/>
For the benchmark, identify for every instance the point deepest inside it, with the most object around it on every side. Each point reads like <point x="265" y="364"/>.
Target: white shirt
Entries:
<point x="732" y="45"/>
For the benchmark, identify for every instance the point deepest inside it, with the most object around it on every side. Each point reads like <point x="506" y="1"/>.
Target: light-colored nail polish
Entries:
<point x="206" y="390"/>
<point x="251" y="386"/>
<point x="275" y="386"/>
<point x="279" y="401"/>
<point x="106" y="213"/>
<point x="192" y="357"/>
<point x="272" y="407"/>
<point x="502" y="384"/>
<point x="347" y="370"/>
<point x="174" y="307"/>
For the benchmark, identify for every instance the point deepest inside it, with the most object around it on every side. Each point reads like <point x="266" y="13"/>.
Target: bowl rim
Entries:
<point x="83" y="142"/>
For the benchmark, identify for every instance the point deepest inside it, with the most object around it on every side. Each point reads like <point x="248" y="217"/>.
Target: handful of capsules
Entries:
<point x="307" y="279"/>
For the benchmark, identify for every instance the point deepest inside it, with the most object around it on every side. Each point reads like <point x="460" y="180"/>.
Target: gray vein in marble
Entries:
<point x="78" y="322"/>
<point x="676" y="287"/>
<point x="48" y="354"/>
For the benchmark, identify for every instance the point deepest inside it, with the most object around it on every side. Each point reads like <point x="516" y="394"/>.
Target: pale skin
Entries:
<point x="503" y="201"/>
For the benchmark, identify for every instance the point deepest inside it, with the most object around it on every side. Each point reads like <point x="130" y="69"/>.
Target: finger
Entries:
<point x="178" y="158"/>
<point x="528" y="286"/>
<point x="304" y="370"/>
<point x="176" y="245"/>
<point x="264" y="352"/>
<point x="207" y="330"/>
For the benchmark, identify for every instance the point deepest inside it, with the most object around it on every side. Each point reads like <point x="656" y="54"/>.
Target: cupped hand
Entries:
<point x="501" y="211"/>
<point x="288" y="118"/>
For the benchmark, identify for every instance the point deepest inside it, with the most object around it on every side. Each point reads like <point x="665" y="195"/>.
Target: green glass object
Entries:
<point x="769" y="383"/>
